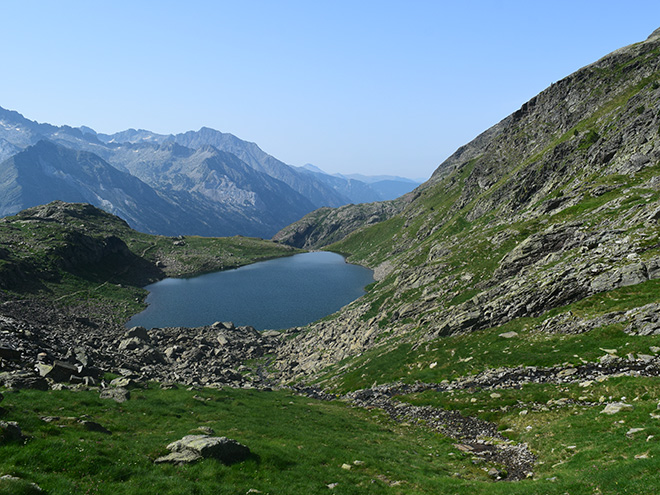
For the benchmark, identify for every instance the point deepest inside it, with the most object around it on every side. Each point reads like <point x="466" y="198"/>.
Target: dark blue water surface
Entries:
<point x="274" y="294"/>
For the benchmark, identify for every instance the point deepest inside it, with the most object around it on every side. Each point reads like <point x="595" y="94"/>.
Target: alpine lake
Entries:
<point x="269" y="295"/>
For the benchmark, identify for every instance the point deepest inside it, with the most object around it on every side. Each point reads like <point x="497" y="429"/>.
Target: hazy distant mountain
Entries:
<point x="213" y="204"/>
<point x="133" y="136"/>
<point x="364" y="188"/>
<point x="370" y="179"/>
<point x="7" y="149"/>
<point x="213" y="176"/>
<point x="316" y="192"/>
<point x="356" y="191"/>
<point x="46" y="172"/>
<point x="211" y="183"/>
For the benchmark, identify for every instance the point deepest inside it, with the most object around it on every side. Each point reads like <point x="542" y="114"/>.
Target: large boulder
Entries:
<point x="194" y="447"/>
<point x="139" y="333"/>
<point x="9" y="354"/>
<point x="23" y="380"/>
<point x="59" y="371"/>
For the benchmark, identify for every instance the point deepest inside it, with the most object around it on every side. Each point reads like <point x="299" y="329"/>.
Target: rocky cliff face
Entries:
<point x="327" y="225"/>
<point x="554" y="204"/>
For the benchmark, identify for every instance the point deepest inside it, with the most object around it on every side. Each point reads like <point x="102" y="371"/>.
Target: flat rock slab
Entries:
<point x="616" y="407"/>
<point x="185" y="457"/>
<point x="124" y="382"/>
<point x="58" y="371"/>
<point x="194" y="447"/>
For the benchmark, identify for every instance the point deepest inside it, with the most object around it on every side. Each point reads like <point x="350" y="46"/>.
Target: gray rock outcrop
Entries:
<point x="192" y="448"/>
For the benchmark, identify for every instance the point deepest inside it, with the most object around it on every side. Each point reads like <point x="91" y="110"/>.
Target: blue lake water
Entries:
<point x="274" y="294"/>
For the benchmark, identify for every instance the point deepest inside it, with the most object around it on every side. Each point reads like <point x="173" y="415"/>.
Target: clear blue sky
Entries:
<point x="351" y="86"/>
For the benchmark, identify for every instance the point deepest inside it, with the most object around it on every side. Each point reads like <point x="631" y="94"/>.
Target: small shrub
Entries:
<point x="588" y="140"/>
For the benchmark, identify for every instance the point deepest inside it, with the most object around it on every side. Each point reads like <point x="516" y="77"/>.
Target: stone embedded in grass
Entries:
<point x="116" y="394"/>
<point x="11" y="432"/>
<point x="616" y="407"/>
<point x="93" y="426"/>
<point x="206" y="430"/>
<point x="124" y="382"/>
<point x="632" y="431"/>
<point x="194" y="447"/>
<point x="18" y="483"/>
<point x="185" y="457"/>
<point x="508" y="335"/>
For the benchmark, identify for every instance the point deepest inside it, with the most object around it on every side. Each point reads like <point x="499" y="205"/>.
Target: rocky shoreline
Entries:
<point x="57" y="345"/>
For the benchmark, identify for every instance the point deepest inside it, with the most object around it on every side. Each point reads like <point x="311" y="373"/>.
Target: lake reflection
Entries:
<point x="274" y="294"/>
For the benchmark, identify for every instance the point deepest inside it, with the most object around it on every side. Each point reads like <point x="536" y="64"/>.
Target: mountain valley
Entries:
<point x="510" y="342"/>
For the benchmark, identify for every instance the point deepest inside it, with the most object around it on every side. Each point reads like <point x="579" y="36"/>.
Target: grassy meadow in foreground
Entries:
<point x="299" y="445"/>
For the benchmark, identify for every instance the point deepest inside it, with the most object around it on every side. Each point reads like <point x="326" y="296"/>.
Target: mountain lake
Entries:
<point x="274" y="294"/>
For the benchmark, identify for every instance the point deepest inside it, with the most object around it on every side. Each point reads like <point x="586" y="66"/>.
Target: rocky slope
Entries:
<point x="327" y="225"/>
<point x="555" y="204"/>
<point x="70" y="275"/>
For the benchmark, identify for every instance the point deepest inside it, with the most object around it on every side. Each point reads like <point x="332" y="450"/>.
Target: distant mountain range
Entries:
<point x="200" y="182"/>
